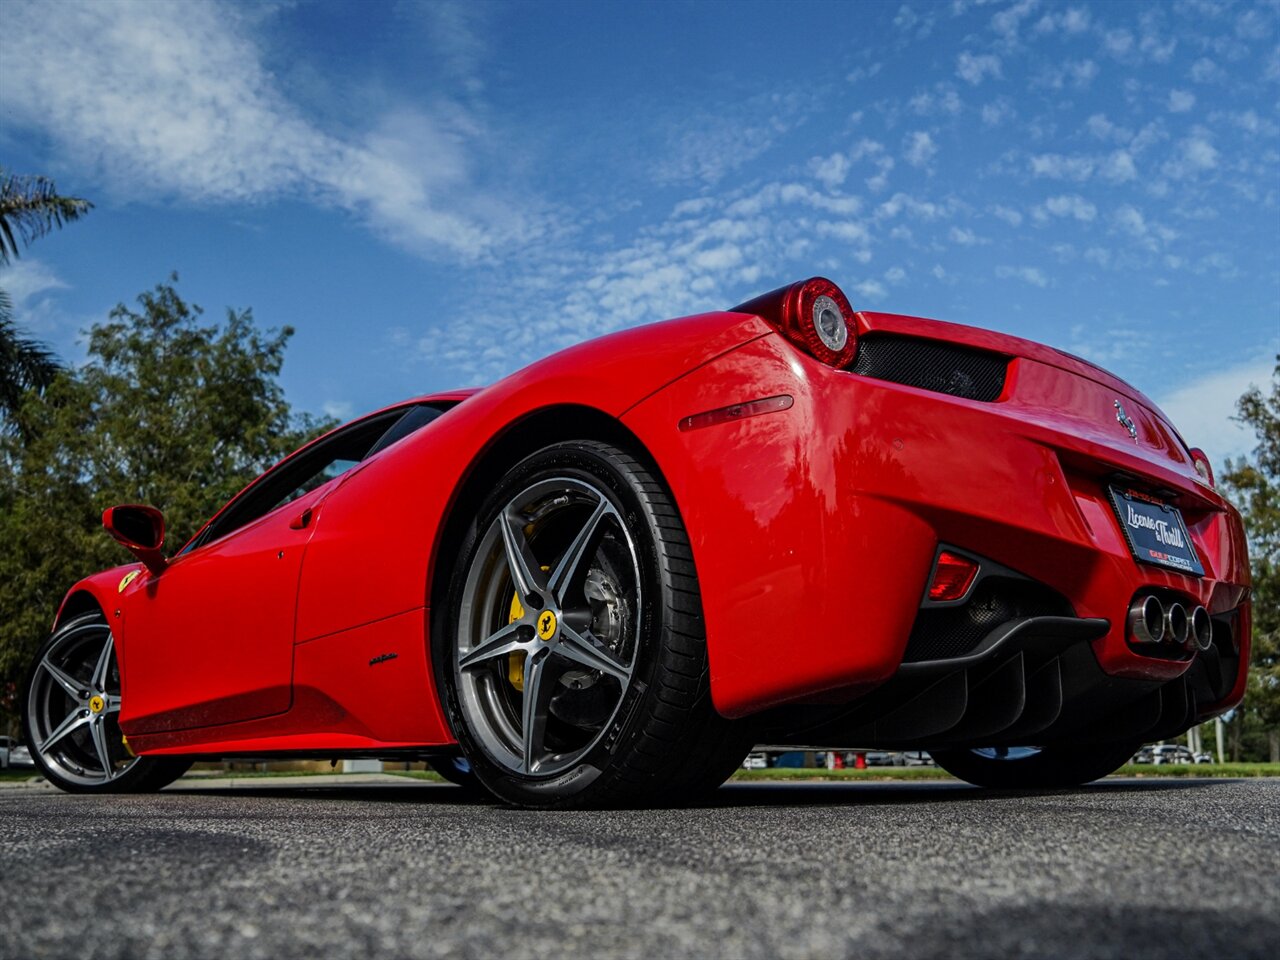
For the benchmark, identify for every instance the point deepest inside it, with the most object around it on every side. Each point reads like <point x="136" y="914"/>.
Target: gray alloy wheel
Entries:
<point x="570" y="649"/>
<point x="73" y="706"/>
<point x="547" y="650"/>
<point x="72" y="715"/>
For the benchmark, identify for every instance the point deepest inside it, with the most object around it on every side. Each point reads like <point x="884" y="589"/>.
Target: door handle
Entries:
<point x="301" y="520"/>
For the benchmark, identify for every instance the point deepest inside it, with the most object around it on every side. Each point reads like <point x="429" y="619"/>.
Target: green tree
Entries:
<point x="29" y="208"/>
<point x="1253" y="483"/>
<point x="168" y="410"/>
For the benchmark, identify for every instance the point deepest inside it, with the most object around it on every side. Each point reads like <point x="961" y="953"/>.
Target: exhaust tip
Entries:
<point x="1147" y="619"/>
<point x="1177" y="625"/>
<point x="1201" y="628"/>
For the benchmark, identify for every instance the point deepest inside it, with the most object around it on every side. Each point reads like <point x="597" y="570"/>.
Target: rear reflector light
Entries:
<point x="739" y="411"/>
<point x="952" y="576"/>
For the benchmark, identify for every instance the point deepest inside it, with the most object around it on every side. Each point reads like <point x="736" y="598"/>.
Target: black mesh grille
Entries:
<point x="931" y="365"/>
<point x="941" y="633"/>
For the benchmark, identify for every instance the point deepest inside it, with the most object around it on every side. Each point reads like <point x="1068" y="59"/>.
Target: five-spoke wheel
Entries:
<point x="572" y="655"/>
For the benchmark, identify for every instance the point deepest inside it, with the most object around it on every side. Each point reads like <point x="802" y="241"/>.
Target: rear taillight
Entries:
<point x="1201" y="462"/>
<point x="813" y="314"/>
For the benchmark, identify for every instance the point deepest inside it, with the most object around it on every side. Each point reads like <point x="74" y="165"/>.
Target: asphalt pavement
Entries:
<point x="400" y="868"/>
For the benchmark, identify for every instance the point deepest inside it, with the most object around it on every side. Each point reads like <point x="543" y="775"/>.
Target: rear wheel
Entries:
<point x="71" y="715"/>
<point x="573" y="657"/>
<point x="1035" y="767"/>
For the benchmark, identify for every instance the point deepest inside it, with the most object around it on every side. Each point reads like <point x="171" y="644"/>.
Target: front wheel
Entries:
<point x="1035" y="767"/>
<point x="573" y="657"/>
<point x="71" y="715"/>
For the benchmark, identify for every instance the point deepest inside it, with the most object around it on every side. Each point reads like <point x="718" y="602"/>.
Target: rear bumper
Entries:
<point x="814" y="528"/>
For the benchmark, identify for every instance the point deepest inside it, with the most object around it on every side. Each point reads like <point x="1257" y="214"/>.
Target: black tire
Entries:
<point x="663" y="743"/>
<point x="72" y="762"/>
<point x="1040" y="768"/>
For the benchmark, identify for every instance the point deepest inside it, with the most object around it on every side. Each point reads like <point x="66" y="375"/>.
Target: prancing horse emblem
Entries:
<point x="1122" y="418"/>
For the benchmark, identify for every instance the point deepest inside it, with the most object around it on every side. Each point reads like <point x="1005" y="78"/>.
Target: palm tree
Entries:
<point x="30" y="207"/>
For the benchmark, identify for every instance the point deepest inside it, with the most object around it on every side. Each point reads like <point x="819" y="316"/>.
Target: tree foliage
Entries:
<point x="1253" y="483"/>
<point x="168" y="410"/>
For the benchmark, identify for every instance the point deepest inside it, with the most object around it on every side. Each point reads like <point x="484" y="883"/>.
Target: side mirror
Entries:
<point x="140" y="530"/>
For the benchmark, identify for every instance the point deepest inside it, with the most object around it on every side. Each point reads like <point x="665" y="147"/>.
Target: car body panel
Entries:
<point x="813" y="531"/>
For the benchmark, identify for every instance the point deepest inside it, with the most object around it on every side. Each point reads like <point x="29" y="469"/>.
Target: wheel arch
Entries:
<point x="79" y="601"/>
<point x="520" y="438"/>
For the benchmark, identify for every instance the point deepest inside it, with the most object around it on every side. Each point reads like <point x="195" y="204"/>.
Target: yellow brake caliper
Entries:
<point x="515" y="662"/>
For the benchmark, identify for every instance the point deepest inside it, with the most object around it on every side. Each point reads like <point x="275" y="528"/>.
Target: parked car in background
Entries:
<point x="1204" y="758"/>
<point x="1145" y="755"/>
<point x="1171" y="753"/>
<point x="882" y="758"/>
<point x="755" y="761"/>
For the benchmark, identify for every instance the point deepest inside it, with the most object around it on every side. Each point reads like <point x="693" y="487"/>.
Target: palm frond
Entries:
<point x="30" y="207"/>
<point x="25" y="364"/>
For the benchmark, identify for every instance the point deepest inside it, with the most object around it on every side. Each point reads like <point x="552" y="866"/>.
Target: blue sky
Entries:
<point x="434" y="194"/>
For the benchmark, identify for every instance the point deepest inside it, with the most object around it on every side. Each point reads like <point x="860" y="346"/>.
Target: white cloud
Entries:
<point x="1032" y="275"/>
<point x="831" y="170"/>
<point x="974" y="67"/>
<point x="1118" y="167"/>
<point x="871" y="290"/>
<point x="706" y="146"/>
<point x="1253" y="25"/>
<point x="919" y="148"/>
<point x="1118" y="42"/>
<point x="1078" y="73"/>
<point x="964" y="237"/>
<point x="912" y="206"/>
<point x="996" y="112"/>
<point x="1008" y="215"/>
<point x="168" y="99"/>
<point x="895" y="275"/>
<point x="1074" y="20"/>
<point x="1008" y="20"/>
<point x="1205" y="70"/>
<point x="1055" y="166"/>
<point x="25" y="279"/>
<point x="1202" y="409"/>
<point x="338" y="409"/>
<point x="1071" y="205"/>
<point x="1195" y="155"/>
<point x="943" y="100"/>
<point x="1129" y="219"/>
<point x="1180" y="101"/>
<point x="29" y="283"/>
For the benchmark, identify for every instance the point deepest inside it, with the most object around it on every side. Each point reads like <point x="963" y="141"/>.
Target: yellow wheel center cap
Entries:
<point x="96" y="704"/>
<point x="546" y="625"/>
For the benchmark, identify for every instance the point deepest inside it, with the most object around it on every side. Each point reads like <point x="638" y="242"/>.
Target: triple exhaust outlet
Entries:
<point x="1150" y="621"/>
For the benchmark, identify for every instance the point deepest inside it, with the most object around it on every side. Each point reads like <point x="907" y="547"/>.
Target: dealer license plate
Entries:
<point x="1155" y="531"/>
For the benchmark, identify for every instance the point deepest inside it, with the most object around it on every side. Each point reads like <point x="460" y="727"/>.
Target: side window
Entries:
<point x="306" y="471"/>
<point x="314" y="468"/>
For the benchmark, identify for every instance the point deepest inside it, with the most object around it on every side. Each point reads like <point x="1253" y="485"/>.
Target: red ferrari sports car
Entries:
<point x="602" y="579"/>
